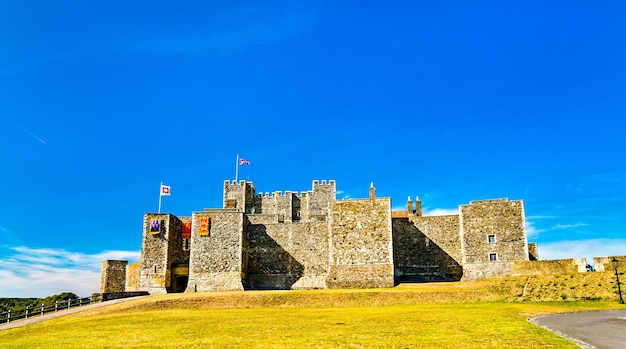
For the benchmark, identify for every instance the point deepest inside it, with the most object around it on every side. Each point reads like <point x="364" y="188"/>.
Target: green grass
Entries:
<point x="442" y="315"/>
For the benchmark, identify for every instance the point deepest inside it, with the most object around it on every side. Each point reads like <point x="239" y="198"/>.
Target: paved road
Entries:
<point x="592" y="329"/>
<point x="34" y="319"/>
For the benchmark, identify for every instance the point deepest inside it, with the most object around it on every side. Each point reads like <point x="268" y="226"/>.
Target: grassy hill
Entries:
<point x="487" y="313"/>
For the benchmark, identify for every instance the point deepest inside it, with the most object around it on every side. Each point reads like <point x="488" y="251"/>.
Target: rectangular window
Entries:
<point x="493" y="257"/>
<point x="491" y="239"/>
<point x="185" y="244"/>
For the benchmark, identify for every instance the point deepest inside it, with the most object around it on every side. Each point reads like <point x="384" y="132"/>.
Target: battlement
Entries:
<point x="234" y="182"/>
<point x="277" y="193"/>
<point x="317" y="184"/>
<point x="488" y="201"/>
<point x="309" y="239"/>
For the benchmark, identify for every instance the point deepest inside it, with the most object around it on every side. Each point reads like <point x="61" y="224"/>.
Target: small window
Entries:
<point x="491" y="239"/>
<point x="493" y="257"/>
<point x="185" y="244"/>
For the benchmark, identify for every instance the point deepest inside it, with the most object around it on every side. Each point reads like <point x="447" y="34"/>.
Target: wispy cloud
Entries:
<point x="531" y="230"/>
<point x="582" y="249"/>
<point x="343" y="195"/>
<point x="547" y="225"/>
<point x="570" y="226"/>
<point x="8" y="237"/>
<point x="440" y="212"/>
<point x="32" y="135"/>
<point x="32" y="272"/>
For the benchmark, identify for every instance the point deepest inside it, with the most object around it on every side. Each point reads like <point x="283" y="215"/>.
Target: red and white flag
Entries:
<point x="244" y="162"/>
<point x="165" y="190"/>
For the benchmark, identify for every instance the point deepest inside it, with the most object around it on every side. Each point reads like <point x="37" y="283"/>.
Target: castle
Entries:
<point x="312" y="240"/>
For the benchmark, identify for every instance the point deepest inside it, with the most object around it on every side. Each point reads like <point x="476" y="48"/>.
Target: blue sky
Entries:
<point x="100" y="101"/>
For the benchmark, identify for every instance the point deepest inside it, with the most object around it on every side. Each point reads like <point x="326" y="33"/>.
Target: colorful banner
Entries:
<point x="155" y="226"/>
<point x="186" y="234"/>
<point x="205" y="223"/>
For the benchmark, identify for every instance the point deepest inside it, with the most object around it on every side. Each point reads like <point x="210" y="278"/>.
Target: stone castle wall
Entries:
<point x="427" y="248"/>
<point x="501" y="219"/>
<point x="606" y="264"/>
<point x="287" y="255"/>
<point x="113" y="276"/>
<point x="558" y="266"/>
<point x="133" y="272"/>
<point x="311" y="240"/>
<point x="159" y="249"/>
<point x="533" y="251"/>
<point x="361" y="247"/>
<point x="216" y="262"/>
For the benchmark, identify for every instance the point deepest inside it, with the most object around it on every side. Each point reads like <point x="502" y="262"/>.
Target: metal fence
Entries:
<point x="31" y="311"/>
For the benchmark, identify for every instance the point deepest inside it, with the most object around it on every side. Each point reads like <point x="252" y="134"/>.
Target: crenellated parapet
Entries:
<point x="288" y="206"/>
<point x="309" y="239"/>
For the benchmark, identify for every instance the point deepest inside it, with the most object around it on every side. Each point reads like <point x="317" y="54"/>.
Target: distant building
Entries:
<point x="311" y="240"/>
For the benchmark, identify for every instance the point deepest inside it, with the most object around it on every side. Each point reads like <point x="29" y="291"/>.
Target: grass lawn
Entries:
<point x="390" y="318"/>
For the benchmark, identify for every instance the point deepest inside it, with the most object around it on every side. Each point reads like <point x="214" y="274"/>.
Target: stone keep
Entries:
<point x="308" y="240"/>
<point x="113" y="276"/>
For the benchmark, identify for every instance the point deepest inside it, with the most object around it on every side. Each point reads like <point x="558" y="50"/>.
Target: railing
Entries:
<point x="27" y="312"/>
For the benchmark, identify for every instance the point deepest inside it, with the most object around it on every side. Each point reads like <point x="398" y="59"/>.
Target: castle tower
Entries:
<point x="361" y="243"/>
<point x="216" y="257"/>
<point x="409" y="206"/>
<point x="113" y="277"/>
<point x="240" y="196"/>
<point x="418" y="207"/>
<point x="316" y="203"/>
<point x="161" y="250"/>
<point x="493" y="236"/>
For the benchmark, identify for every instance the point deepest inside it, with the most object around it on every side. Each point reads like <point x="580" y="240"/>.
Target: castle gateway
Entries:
<point x="311" y="240"/>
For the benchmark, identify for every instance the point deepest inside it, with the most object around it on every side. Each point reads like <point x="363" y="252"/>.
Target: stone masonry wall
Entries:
<point x="311" y="240"/>
<point x="427" y="248"/>
<point x="215" y="262"/>
<point x="533" y="251"/>
<point x="133" y="271"/>
<point x="479" y="271"/>
<point x="319" y="199"/>
<point x="158" y="249"/>
<point x="113" y="276"/>
<point x="558" y="266"/>
<point x="502" y="219"/>
<point x="361" y="247"/>
<point x="288" y="255"/>
<point x="243" y="193"/>
<point x="606" y="264"/>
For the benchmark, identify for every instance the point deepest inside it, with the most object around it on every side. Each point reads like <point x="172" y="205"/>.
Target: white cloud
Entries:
<point x="29" y="272"/>
<point x="582" y="249"/>
<point x="531" y="230"/>
<point x="569" y="226"/>
<point x="343" y="195"/>
<point x="441" y="212"/>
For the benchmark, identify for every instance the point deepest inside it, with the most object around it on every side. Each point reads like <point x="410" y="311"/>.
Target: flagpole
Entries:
<point x="236" y="168"/>
<point x="160" y="196"/>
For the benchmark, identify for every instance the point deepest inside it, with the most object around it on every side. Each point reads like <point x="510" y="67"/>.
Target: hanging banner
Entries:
<point x="205" y="223"/>
<point x="186" y="233"/>
<point x="155" y="226"/>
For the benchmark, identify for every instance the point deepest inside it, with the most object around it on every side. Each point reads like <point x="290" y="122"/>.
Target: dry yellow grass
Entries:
<point x="488" y="313"/>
